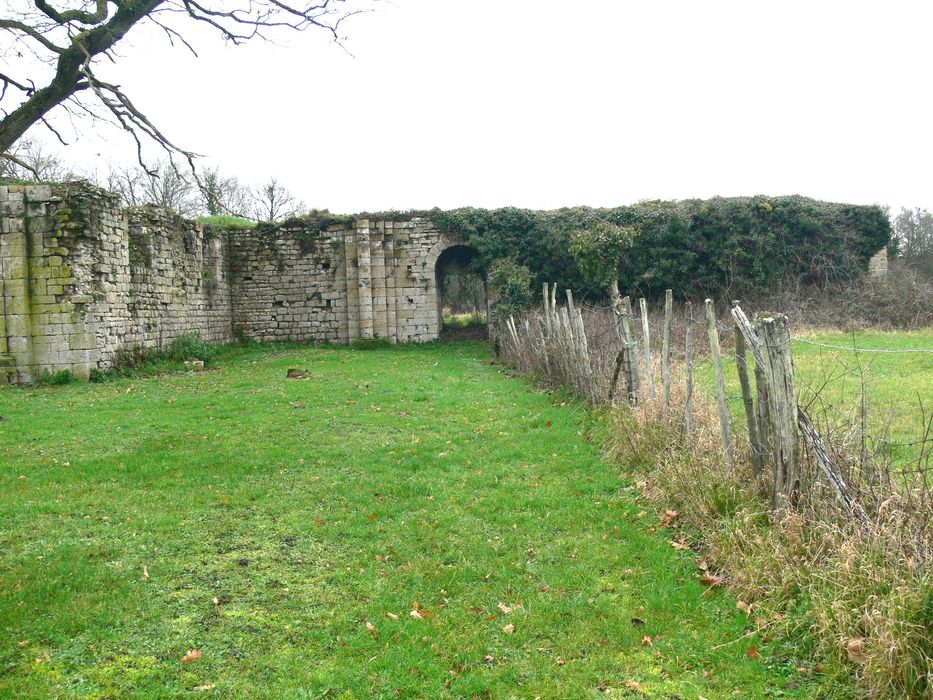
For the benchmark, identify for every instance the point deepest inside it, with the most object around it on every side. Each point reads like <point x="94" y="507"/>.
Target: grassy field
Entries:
<point x="896" y="384"/>
<point x="405" y="522"/>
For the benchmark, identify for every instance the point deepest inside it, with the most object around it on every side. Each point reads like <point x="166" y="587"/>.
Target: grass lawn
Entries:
<point x="895" y="384"/>
<point x="289" y="530"/>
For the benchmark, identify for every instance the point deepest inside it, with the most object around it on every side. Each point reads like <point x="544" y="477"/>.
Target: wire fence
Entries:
<point x="789" y="430"/>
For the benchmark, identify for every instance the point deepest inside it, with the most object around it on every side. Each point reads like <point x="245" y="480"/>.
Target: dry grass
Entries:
<point x="858" y="597"/>
<point x="855" y="597"/>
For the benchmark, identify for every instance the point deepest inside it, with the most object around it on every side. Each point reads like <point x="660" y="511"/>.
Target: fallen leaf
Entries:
<point x="668" y="517"/>
<point x="855" y="649"/>
<point x="679" y="544"/>
<point x="505" y="608"/>
<point x="634" y="685"/>
<point x="646" y="641"/>
<point x="23" y="643"/>
<point x="216" y="600"/>
<point x="752" y="652"/>
<point x="206" y="686"/>
<point x="509" y="628"/>
<point x="391" y="616"/>
<point x="743" y="606"/>
<point x="416" y="614"/>
<point x="318" y="521"/>
<point x="371" y="628"/>
<point x="145" y="573"/>
<point x="191" y="656"/>
<point x="709" y="579"/>
<point x="701" y="564"/>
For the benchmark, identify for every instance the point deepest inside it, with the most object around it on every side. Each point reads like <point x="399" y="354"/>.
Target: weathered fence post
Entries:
<point x="646" y="342"/>
<point x="741" y="364"/>
<point x="778" y="369"/>
<point x="633" y="372"/>
<point x="666" y="351"/>
<point x="823" y="457"/>
<point x="716" y="355"/>
<point x="688" y="407"/>
<point x="627" y="359"/>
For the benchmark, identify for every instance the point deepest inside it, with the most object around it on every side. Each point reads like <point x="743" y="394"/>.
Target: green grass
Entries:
<point x="895" y="384"/>
<point x="276" y="517"/>
<point x="227" y="221"/>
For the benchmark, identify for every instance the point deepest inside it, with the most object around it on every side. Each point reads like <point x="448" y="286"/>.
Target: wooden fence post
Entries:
<point x="666" y="351"/>
<point x="632" y="369"/>
<point x="741" y="364"/>
<point x="725" y="429"/>
<point x="782" y="406"/>
<point x="627" y="359"/>
<point x="823" y="457"/>
<point x="646" y="342"/>
<point x="688" y="408"/>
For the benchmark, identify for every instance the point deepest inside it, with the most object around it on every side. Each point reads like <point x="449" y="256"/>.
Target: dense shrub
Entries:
<point x="717" y="247"/>
<point x="191" y="347"/>
<point x="511" y="284"/>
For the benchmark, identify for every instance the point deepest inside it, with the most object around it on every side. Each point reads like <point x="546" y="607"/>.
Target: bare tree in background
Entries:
<point x="914" y="230"/>
<point x="52" y="55"/>
<point x="223" y="194"/>
<point x="273" y="202"/>
<point x="162" y="185"/>
<point x="29" y="160"/>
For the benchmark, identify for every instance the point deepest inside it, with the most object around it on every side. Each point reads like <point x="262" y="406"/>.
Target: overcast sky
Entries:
<point x="543" y="104"/>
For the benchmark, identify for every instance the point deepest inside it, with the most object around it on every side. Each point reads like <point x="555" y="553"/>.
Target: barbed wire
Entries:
<point x="855" y="349"/>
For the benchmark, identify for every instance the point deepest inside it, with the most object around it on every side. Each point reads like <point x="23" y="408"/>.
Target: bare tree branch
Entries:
<point x="70" y="41"/>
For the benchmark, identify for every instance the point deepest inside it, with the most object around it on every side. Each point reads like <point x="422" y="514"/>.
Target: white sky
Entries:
<point x="543" y="104"/>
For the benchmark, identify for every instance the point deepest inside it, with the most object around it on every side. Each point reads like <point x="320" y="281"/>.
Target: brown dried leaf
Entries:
<point x="391" y="616"/>
<point x="709" y="579"/>
<point x="145" y="573"/>
<point x="743" y="606"/>
<point x="679" y="544"/>
<point x="192" y="656"/>
<point x="505" y="608"/>
<point x="646" y="641"/>
<point x="509" y="628"/>
<point x="668" y="517"/>
<point x="371" y="628"/>
<point x="752" y="652"/>
<point x="855" y="649"/>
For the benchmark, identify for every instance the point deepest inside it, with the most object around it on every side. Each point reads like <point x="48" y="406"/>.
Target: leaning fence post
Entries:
<point x="688" y="408"/>
<point x="627" y="359"/>
<point x="632" y="369"/>
<point x="646" y="342"/>
<point x="782" y="405"/>
<point x="666" y="350"/>
<point x="741" y="364"/>
<point x="720" y="382"/>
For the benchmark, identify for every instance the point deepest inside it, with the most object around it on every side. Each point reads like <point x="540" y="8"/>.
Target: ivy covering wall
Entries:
<point x="721" y="246"/>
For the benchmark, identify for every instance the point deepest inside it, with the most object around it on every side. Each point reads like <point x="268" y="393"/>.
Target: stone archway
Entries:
<point x="460" y="286"/>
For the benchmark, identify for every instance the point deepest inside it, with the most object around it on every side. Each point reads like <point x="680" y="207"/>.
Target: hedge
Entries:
<point x="717" y="247"/>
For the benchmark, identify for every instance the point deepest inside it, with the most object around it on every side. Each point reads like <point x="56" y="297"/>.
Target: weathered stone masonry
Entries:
<point x="81" y="279"/>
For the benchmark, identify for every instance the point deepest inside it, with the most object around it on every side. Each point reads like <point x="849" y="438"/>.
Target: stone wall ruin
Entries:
<point x="82" y="280"/>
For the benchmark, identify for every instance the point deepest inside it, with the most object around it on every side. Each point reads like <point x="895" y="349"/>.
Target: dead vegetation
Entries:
<point x="856" y="592"/>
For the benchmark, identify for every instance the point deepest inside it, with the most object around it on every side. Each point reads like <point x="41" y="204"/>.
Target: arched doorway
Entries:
<point x="461" y="292"/>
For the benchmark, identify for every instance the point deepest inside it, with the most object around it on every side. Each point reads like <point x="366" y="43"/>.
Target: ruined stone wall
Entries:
<point x="368" y="279"/>
<point x="82" y="280"/>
